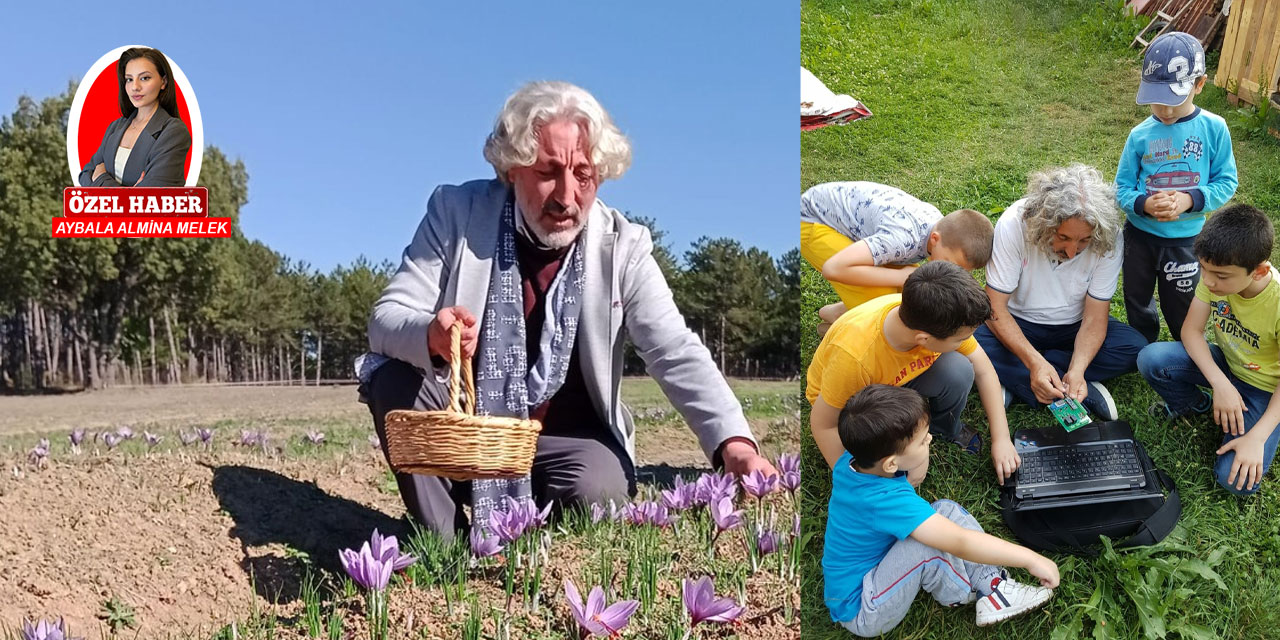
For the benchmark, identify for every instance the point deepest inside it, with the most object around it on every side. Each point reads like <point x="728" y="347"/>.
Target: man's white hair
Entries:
<point x="1060" y="194"/>
<point x="514" y="140"/>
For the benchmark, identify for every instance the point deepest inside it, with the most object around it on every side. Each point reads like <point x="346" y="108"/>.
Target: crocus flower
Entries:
<point x="483" y="546"/>
<point x="703" y="606"/>
<point x="40" y="453"/>
<point x="250" y="438"/>
<point x="724" y="515"/>
<point x="206" y="435"/>
<point x="766" y="542"/>
<point x="187" y="438"/>
<point x="593" y="617"/>
<point x="45" y="630"/>
<point x="315" y="437"/>
<point x="660" y="517"/>
<point x="597" y="513"/>
<point x="681" y="497"/>
<point x="759" y="484"/>
<point x="77" y="436"/>
<point x="152" y="439"/>
<point x="789" y="472"/>
<point x="367" y="570"/>
<point x="111" y="440"/>
<point x="795" y="526"/>
<point x="387" y="550"/>
<point x="712" y="486"/>
<point x="510" y="523"/>
<point x="125" y="433"/>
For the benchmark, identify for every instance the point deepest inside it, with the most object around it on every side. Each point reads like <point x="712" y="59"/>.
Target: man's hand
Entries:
<point x="1074" y="383"/>
<point x="1228" y="409"/>
<point x="99" y="170"/>
<point x="1045" y="382"/>
<point x="741" y="458"/>
<point x="1046" y="570"/>
<point x="1246" y="469"/>
<point x="438" y="341"/>
<point x="1005" y="458"/>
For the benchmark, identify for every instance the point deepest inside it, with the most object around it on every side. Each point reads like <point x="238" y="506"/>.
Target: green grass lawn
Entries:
<point x="969" y="98"/>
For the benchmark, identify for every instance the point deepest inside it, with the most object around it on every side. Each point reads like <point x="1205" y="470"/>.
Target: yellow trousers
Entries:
<point x="818" y="243"/>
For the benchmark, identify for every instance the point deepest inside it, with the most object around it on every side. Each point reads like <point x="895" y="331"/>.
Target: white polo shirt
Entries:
<point x="1041" y="288"/>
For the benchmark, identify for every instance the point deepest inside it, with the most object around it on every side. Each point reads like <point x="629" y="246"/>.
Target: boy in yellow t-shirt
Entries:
<point x="1240" y="295"/>
<point x="908" y="340"/>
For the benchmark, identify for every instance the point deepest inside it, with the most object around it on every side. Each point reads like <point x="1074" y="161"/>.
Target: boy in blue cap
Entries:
<point x="1176" y="166"/>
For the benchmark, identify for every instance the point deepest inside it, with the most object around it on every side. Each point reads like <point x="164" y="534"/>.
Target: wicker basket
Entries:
<point x="458" y="444"/>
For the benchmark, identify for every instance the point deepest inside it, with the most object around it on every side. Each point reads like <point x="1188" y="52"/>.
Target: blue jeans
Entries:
<point x="1118" y="354"/>
<point x="946" y="384"/>
<point x="1174" y="375"/>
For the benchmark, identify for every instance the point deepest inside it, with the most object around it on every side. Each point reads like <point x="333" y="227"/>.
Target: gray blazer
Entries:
<point x="160" y="151"/>
<point x="448" y="263"/>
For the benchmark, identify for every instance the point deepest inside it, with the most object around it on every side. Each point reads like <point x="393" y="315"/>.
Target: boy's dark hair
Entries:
<point x="941" y="297"/>
<point x="879" y="421"/>
<point x="1239" y="235"/>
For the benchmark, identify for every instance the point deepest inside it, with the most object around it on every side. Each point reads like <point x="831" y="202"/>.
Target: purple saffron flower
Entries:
<point x="387" y="550"/>
<point x="111" y="440"/>
<point x="681" y="497"/>
<point x="77" y="436"/>
<point x="511" y="523"/>
<point x="593" y="617"/>
<point x="483" y="546"/>
<point x="315" y="437"/>
<point x="724" y="515"/>
<point x="367" y="570"/>
<point x="250" y="439"/>
<point x="767" y="542"/>
<point x="710" y="487"/>
<point x="152" y="439"/>
<point x="45" y="630"/>
<point x="703" y="606"/>
<point x="661" y="517"/>
<point x="759" y="484"/>
<point x="206" y="435"/>
<point x="795" y="526"/>
<point x="789" y="471"/>
<point x="187" y="438"/>
<point x="125" y="433"/>
<point x="40" y="453"/>
<point x="597" y="513"/>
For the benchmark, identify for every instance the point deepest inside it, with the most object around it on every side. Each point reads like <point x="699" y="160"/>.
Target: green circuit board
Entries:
<point x="1069" y="413"/>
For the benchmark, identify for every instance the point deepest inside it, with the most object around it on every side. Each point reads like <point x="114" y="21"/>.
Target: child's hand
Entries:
<point x="1228" y="409"/>
<point x="1163" y="206"/>
<point x="1246" y="468"/>
<point x="1005" y="458"/>
<point x="1046" y="570"/>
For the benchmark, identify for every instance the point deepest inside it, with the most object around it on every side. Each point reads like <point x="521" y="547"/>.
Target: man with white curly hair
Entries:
<point x="543" y="277"/>
<point x="1054" y="267"/>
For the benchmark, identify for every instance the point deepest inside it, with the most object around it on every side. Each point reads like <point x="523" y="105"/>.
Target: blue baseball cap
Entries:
<point x="1170" y="68"/>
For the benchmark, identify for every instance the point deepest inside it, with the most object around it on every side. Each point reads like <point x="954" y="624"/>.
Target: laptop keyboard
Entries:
<point x="1079" y="463"/>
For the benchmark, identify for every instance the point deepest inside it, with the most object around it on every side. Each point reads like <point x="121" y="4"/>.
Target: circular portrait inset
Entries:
<point x="134" y="122"/>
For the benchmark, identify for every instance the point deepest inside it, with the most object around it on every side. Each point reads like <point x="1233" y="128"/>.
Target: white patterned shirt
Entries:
<point x="894" y="224"/>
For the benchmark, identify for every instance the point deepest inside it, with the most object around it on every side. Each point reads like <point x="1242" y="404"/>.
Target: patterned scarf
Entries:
<point x="506" y="385"/>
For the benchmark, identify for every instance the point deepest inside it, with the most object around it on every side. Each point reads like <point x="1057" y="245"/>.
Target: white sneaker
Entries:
<point x="1103" y="404"/>
<point x="1006" y="396"/>
<point x="1009" y="599"/>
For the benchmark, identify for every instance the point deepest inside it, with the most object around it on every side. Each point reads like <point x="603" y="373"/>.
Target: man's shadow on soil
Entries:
<point x="664" y="475"/>
<point x="271" y="508"/>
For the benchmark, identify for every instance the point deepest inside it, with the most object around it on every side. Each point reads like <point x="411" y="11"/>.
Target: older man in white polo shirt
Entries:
<point x="1054" y="266"/>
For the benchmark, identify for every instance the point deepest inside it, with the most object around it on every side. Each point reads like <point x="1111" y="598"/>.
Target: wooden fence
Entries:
<point x="1251" y="51"/>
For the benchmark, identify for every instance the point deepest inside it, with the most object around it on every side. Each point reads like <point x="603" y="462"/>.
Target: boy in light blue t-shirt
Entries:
<point x="884" y="543"/>
<point x="1176" y="166"/>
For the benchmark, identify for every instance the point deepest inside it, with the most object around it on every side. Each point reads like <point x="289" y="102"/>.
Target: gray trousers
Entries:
<point x="568" y="468"/>
<point x="946" y="383"/>
<point x="889" y="589"/>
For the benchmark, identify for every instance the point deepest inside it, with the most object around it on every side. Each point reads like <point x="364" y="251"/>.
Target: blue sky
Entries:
<point x="348" y="116"/>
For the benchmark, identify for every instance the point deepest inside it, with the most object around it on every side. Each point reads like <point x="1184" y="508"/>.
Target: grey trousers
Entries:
<point x="946" y="383"/>
<point x="568" y="468"/>
<point x="889" y="589"/>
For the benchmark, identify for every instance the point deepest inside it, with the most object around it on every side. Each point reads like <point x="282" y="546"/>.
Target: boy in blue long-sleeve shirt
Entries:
<point x="1176" y="166"/>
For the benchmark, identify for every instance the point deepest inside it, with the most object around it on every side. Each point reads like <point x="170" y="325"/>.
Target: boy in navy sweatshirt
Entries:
<point x="1176" y="166"/>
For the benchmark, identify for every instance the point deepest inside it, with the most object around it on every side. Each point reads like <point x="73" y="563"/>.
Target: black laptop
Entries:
<point x="1096" y="458"/>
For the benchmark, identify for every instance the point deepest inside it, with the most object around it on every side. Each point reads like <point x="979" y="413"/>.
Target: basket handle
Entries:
<point x="460" y="400"/>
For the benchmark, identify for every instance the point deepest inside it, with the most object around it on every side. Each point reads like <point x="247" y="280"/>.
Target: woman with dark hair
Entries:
<point x="147" y="146"/>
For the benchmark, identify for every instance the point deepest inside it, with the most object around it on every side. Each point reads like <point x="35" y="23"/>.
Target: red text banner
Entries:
<point x="134" y="202"/>
<point x="172" y="227"/>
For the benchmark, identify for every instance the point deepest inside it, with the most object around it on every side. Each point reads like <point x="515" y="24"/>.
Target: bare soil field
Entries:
<point x="193" y="539"/>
